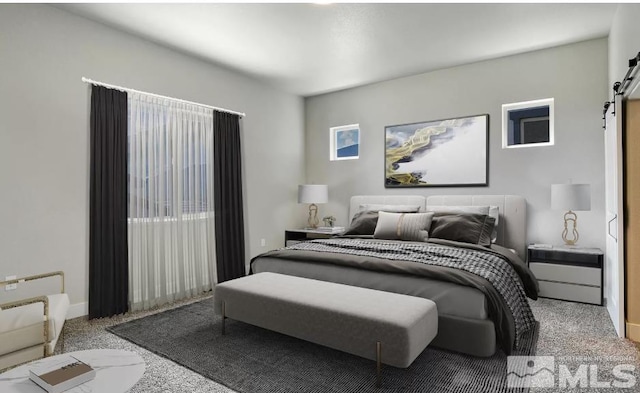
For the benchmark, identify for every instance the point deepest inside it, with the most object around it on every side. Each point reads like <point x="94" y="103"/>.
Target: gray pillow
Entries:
<point x="471" y="228"/>
<point x="363" y="223"/>
<point x="403" y="226"/>
<point x="493" y="211"/>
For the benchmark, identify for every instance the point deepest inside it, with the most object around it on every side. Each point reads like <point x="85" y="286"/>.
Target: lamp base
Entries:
<point x="313" y="216"/>
<point x="570" y="218"/>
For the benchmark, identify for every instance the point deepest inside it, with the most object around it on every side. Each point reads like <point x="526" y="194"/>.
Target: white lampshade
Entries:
<point x="313" y="193"/>
<point x="571" y="197"/>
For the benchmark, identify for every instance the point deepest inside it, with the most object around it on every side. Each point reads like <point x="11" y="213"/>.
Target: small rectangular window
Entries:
<point x="527" y="123"/>
<point x="344" y="142"/>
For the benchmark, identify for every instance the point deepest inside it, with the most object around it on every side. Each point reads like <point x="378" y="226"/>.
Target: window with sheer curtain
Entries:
<point x="170" y="200"/>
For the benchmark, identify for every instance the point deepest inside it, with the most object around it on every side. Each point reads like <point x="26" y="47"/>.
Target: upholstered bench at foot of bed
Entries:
<point x="386" y="327"/>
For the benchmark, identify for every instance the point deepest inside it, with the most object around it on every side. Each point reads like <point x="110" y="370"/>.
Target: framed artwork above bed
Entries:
<point x="438" y="153"/>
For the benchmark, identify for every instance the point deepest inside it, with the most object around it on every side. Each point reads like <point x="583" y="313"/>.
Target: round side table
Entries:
<point x="116" y="372"/>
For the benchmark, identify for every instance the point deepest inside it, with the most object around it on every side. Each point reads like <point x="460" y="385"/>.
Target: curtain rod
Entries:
<point x="87" y="80"/>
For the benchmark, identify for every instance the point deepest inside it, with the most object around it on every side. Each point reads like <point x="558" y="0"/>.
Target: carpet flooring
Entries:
<point x="567" y="330"/>
<point x="250" y="359"/>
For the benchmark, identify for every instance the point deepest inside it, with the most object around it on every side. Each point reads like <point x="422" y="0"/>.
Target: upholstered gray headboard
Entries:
<point x="412" y="200"/>
<point x="512" y="225"/>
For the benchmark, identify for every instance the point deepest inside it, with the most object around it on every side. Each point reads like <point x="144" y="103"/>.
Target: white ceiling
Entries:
<point x="310" y="49"/>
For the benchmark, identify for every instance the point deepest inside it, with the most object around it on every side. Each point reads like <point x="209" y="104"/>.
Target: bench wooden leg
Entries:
<point x="378" y="362"/>
<point x="224" y="316"/>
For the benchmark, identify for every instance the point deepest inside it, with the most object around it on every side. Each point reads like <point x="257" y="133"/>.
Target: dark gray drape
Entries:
<point x="108" y="259"/>
<point x="228" y="196"/>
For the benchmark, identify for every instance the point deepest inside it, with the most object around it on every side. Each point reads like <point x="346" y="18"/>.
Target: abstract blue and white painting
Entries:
<point x="451" y="152"/>
<point x="345" y="142"/>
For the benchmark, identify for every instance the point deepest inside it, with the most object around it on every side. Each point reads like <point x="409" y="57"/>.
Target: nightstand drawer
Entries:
<point x="566" y="274"/>
<point x="566" y="257"/>
<point x="573" y="292"/>
<point x="294" y="236"/>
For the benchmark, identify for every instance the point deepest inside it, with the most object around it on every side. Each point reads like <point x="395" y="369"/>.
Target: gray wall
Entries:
<point x="575" y="75"/>
<point x="624" y="41"/>
<point x="44" y="142"/>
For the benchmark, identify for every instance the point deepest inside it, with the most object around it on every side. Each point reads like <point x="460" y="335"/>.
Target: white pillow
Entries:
<point x="403" y="226"/>
<point x="491" y="211"/>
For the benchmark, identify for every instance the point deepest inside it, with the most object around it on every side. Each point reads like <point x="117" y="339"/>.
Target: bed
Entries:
<point x="480" y="292"/>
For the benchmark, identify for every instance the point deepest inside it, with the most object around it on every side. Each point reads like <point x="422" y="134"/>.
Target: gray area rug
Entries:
<point x="251" y="359"/>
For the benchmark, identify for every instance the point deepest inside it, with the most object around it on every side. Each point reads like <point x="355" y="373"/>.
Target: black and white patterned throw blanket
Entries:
<point x="493" y="268"/>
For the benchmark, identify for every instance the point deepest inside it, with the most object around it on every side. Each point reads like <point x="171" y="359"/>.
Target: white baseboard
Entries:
<point x="78" y="310"/>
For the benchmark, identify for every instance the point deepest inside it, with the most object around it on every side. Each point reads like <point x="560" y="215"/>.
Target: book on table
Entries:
<point x="62" y="374"/>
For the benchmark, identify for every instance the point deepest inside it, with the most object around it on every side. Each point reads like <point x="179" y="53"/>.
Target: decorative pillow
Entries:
<point x="390" y="208"/>
<point x="363" y="223"/>
<point x="463" y="227"/>
<point x="493" y="211"/>
<point x="403" y="226"/>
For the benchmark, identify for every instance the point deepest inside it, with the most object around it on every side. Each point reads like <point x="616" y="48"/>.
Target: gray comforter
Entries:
<point x="497" y="272"/>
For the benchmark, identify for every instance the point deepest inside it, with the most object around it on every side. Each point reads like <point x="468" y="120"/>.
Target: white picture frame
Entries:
<point x="344" y="142"/>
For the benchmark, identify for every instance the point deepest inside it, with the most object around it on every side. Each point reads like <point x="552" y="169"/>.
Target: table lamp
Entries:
<point x="313" y="193"/>
<point x="571" y="197"/>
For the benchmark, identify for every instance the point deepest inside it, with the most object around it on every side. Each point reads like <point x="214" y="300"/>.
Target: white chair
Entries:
<point x="30" y="328"/>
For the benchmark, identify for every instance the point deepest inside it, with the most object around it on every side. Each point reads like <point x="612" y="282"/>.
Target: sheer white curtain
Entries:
<point x="171" y="223"/>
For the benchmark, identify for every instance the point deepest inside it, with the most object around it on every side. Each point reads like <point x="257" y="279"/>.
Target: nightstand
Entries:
<point x="568" y="273"/>
<point x="293" y="236"/>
